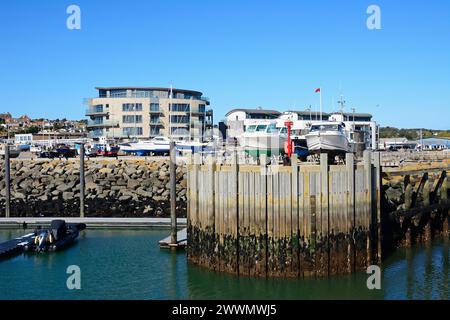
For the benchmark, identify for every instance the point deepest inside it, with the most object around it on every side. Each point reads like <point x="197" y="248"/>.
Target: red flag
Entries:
<point x="317" y="90"/>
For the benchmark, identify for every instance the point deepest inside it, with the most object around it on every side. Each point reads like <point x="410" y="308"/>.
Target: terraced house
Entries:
<point x="146" y="112"/>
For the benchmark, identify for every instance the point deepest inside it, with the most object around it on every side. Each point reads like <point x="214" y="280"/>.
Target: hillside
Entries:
<point x="412" y="134"/>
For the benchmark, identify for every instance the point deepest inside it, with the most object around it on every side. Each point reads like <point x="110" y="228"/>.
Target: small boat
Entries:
<point x="328" y="137"/>
<point x="13" y="151"/>
<point x="157" y="145"/>
<point x="57" y="237"/>
<point x="192" y="146"/>
<point x="103" y="150"/>
<point x="263" y="139"/>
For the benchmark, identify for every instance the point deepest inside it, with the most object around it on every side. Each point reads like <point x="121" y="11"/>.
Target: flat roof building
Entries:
<point x="146" y="112"/>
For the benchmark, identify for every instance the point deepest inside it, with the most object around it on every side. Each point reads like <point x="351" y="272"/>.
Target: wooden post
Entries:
<point x="173" y="193"/>
<point x="350" y="167"/>
<point x="325" y="230"/>
<point x="82" y="181"/>
<point x="7" y="182"/>
<point x="295" y="228"/>
<point x="235" y="175"/>
<point x="378" y="189"/>
<point x="368" y="204"/>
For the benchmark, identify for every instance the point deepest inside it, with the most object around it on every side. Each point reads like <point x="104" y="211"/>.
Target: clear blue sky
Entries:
<point x="244" y="53"/>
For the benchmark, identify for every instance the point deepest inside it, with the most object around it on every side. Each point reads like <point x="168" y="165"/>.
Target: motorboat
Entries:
<point x="57" y="237"/>
<point x="191" y="146"/>
<point x="263" y="139"/>
<point x="13" y="151"/>
<point x="328" y="137"/>
<point x="157" y="145"/>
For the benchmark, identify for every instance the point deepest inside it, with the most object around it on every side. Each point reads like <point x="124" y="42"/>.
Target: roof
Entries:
<point x="360" y="115"/>
<point x="151" y="88"/>
<point x="307" y="113"/>
<point x="255" y="111"/>
<point x="429" y="141"/>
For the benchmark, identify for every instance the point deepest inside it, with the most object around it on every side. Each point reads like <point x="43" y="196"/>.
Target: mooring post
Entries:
<point x="7" y="182"/>
<point x="351" y="209"/>
<point x="370" y="216"/>
<point x="378" y="190"/>
<point x="173" y="193"/>
<point x="82" y="181"/>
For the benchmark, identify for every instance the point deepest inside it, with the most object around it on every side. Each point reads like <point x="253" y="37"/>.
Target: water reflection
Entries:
<point x="128" y="264"/>
<point x="420" y="272"/>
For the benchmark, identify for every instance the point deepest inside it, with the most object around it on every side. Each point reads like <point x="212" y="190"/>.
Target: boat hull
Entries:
<point x="263" y="144"/>
<point x="327" y="143"/>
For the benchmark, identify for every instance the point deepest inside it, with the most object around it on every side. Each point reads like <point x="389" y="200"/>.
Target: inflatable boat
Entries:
<point x="57" y="237"/>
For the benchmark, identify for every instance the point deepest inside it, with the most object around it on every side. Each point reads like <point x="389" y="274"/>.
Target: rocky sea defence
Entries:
<point x="114" y="188"/>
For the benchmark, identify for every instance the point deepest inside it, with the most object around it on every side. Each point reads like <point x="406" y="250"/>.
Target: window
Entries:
<point x="201" y="108"/>
<point x="251" y="128"/>
<point x="154" y="107"/>
<point x="261" y="127"/>
<point x="132" y="119"/>
<point x="155" y="119"/>
<point x="180" y="107"/>
<point x="98" y="108"/>
<point x="155" y="131"/>
<point x="132" y="131"/>
<point x="272" y="128"/>
<point x="179" y="119"/>
<point x="131" y="107"/>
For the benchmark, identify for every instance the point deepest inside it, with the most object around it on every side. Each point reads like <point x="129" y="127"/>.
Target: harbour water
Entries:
<point x="128" y="264"/>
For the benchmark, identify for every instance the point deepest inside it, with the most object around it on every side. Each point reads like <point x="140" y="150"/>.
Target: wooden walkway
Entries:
<point x="14" y="246"/>
<point x="181" y="240"/>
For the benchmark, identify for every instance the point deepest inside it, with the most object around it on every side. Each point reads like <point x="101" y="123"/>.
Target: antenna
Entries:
<point x="342" y="104"/>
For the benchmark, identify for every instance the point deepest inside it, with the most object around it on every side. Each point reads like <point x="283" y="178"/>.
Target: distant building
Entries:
<point x="146" y="112"/>
<point x="434" y="143"/>
<point x="396" y="144"/>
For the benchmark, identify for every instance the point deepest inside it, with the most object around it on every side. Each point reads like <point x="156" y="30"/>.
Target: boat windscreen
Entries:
<point x="261" y="128"/>
<point x="327" y="127"/>
<point x="251" y="128"/>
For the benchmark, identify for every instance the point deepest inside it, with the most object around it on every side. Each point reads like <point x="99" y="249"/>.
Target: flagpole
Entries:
<point x="320" y="104"/>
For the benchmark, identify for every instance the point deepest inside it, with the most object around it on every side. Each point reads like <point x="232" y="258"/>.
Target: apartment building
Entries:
<point x="146" y="112"/>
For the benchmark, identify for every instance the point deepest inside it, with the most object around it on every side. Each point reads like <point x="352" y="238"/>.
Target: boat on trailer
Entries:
<point x="328" y="137"/>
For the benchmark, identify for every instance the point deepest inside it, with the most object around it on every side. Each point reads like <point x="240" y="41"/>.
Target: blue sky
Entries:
<point x="245" y="53"/>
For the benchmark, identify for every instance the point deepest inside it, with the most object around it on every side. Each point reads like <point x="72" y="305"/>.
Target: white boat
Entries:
<point x="191" y="146"/>
<point x="263" y="139"/>
<point x="13" y="151"/>
<point x="157" y="145"/>
<point x="327" y="137"/>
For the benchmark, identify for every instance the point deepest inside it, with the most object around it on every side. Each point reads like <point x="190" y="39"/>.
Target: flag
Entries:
<point x="317" y="90"/>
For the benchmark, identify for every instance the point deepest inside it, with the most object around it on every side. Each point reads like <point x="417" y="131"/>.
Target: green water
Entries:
<point x="128" y="264"/>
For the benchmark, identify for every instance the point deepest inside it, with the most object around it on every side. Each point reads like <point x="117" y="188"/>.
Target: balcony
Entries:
<point x="102" y="124"/>
<point x="155" y="111"/>
<point x="96" y="111"/>
<point x="156" y="123"/>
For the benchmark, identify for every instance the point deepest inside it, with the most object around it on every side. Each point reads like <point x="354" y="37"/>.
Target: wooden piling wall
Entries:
<point x="282" y="221"/>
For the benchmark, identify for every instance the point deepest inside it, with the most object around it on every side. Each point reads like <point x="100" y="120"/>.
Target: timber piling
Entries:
<point x="303" y="220"/>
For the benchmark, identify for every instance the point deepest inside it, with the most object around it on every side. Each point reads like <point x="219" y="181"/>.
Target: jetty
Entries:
<point x="14" y="246"/>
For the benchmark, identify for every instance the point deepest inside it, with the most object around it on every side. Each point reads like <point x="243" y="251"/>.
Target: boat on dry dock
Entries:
<point x="328" y="137"/>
